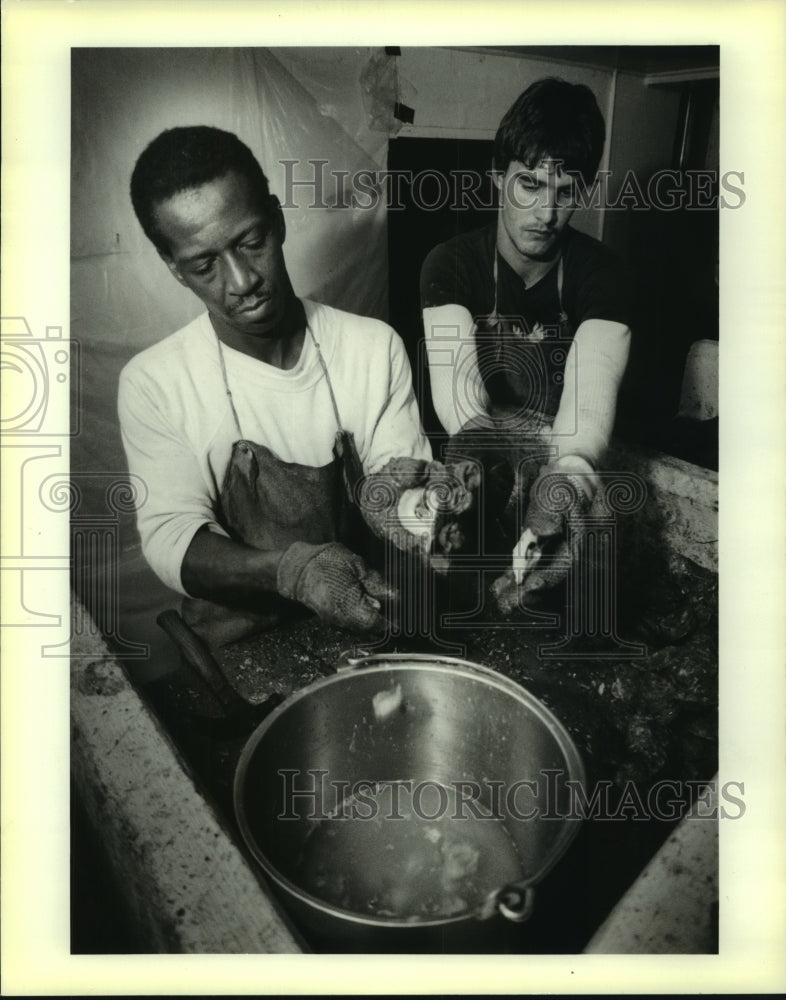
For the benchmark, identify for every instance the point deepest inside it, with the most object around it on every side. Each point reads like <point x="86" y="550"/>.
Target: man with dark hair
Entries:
<point x="527" y="323"/>
<point x="552" y="120"/>
<point x="184" y="158"/>
<point x="253" y="426"/>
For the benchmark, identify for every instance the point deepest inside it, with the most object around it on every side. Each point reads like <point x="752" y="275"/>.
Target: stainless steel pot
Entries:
<point x="419" y="718"/>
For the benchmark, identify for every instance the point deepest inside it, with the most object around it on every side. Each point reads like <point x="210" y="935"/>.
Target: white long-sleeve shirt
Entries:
<point x="178" y="430"/>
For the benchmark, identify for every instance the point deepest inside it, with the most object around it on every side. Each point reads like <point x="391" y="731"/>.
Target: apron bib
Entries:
<point x="520" y="367"/>
<point x="269" y="504"/>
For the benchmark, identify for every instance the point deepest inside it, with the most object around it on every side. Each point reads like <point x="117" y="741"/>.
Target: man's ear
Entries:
<point x="498" y="180"/>
<point x="281" y="226"/>
<point x="497" y="176"/>
<point x="173" y="270"/>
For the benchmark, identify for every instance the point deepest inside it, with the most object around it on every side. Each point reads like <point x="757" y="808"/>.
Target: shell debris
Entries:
<point x="385" y="703"/>
<point x="525" y="555"/>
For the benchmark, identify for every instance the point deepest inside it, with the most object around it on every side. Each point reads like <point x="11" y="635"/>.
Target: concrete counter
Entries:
<point x="187" y="887"/>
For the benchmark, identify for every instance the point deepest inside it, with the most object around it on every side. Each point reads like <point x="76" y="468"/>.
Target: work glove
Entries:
<point x="554" y="529"/>
<point x="421" y="507"/>
<point x="336" y="584"/>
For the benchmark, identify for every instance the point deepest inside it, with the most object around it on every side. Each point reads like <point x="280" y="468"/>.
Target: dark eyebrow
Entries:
<point x="263" y="227"/>
<point x="200" y="256"/>
<point x="530" y="175"/>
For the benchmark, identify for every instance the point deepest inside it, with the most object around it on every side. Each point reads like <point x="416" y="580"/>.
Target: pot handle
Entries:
<point x="516" y="903"/>
<point x="199" y="658"/>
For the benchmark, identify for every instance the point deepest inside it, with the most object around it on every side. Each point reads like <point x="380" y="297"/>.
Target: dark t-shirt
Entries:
<point x="522" y="358"/>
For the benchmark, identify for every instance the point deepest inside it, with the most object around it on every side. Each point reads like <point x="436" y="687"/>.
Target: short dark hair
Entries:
<point x="183" y="158"/>
<point x="556" y="120"/>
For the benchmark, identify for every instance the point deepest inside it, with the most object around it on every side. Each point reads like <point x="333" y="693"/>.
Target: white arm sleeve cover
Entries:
<point x="456" y="385"/>
<point x="593" y="371"/>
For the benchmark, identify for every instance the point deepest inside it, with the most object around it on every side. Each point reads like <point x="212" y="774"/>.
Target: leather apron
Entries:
<point x="269" y="504"/>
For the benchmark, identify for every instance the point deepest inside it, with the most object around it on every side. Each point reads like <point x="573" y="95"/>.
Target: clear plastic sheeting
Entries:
<point x="382" y="92"/>
<point x="333" y="78"/>
<point x="301" y="112"/>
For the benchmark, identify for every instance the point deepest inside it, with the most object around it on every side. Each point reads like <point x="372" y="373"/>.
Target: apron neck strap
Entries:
<point x="227" y="389"/>
<point x="327" y="378"/>
<point x="496" y="285"/>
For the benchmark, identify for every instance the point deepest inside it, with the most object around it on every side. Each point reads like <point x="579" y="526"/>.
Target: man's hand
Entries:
<point x="336" y="584"/>
<point x="421" y="507"/>
<point x="451" y="492"/>
<point x="554" y="527"/>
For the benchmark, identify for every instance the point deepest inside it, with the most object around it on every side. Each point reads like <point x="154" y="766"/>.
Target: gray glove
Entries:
<point x="452" y="491"/>
<point x="336" y="584"/>
<point x="557" y="499"/>
<point x="559" y="502"/>
<point x="441" y="497"/>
